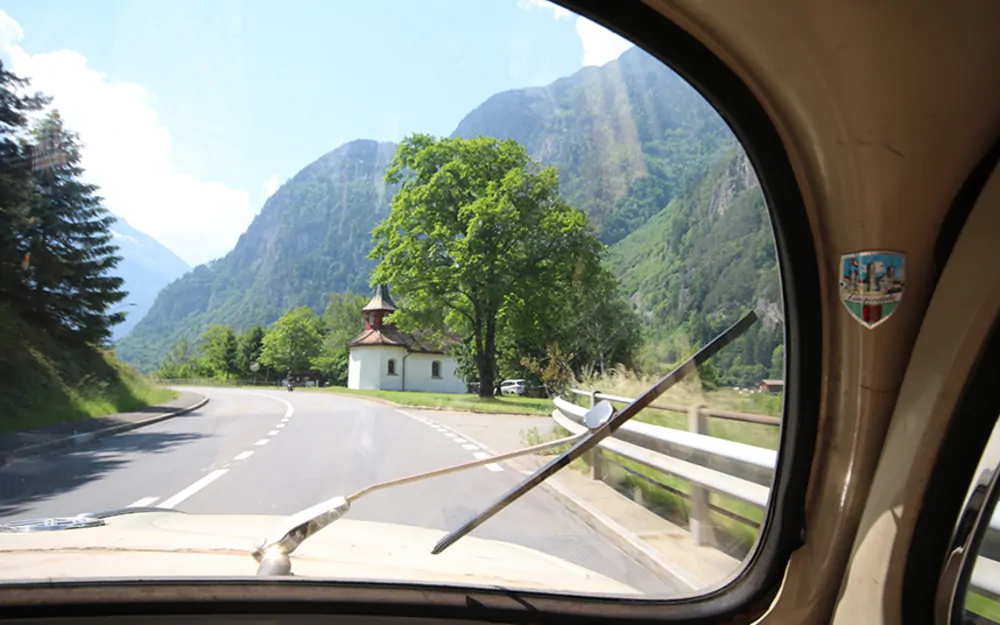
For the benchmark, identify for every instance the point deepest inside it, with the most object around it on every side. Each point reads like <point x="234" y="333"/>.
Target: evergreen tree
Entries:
<point x="68" y="244"/>
<point x="15" y="181"/>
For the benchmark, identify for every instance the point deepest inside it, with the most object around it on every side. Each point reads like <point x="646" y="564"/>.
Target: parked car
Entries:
<point x="513" y="387"/>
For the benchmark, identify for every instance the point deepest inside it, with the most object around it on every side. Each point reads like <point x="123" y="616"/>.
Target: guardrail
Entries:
<point x="710" y="464"/>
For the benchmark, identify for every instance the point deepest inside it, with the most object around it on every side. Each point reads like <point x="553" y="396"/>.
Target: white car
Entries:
<point x="513" y="387"/>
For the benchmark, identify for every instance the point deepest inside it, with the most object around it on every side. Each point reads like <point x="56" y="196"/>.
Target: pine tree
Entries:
<point x="68" y="241"/>
<point x="15" y="181"/>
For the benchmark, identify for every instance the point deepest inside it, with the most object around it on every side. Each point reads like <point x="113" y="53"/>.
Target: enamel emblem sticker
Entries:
<point x="872" y="285"/>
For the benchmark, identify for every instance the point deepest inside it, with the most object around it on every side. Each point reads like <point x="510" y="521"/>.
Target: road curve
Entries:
<point x="273" y="452"/>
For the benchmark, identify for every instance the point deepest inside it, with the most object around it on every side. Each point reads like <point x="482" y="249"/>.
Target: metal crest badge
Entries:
<point x="872" y="285"/>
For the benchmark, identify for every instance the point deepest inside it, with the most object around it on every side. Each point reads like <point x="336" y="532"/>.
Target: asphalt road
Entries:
<point x="274" y="452"/>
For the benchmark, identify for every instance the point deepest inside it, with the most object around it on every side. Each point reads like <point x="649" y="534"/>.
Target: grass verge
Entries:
<point x="43" y="381"/>
<point x="452" y="401"/>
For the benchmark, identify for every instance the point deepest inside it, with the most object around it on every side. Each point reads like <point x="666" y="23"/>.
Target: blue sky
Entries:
<point x="193" y="111"/>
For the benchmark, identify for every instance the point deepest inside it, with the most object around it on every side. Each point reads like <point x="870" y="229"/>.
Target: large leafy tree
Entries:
<point x="475" y="228"/>
<point x="342" y="320"/>
<point x="294" y="341"/>
<point x="67" y="244"/>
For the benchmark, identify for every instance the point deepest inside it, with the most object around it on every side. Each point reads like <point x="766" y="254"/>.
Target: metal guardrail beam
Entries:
<point x="754" y="464"/>
<point x="746" y="417"/>
<point x="733" y="469"/>
<point x="715" y="481"/>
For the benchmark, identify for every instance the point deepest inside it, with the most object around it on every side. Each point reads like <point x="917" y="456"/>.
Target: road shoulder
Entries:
<point x="22" y="443"/>
<point x="662" y="547"/>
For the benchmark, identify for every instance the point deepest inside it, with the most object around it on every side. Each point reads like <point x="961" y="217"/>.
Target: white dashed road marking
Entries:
<point x="194" y="488"/>
<point x="262" y="442"/>
<point x="477" y="451"/>
<point x="273" y="433"/>
<point x="243" y="455"/>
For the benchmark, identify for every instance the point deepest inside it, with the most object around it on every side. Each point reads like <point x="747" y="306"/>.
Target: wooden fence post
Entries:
<point x="700" y="522"/>
<point x="594" y="457"/>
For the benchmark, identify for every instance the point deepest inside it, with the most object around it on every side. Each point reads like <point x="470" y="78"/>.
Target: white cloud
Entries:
<point x="128" y="153"/>
<point x="272" y="184"/>
<point x="600" y="45"/>
<point x="557" y="11"/>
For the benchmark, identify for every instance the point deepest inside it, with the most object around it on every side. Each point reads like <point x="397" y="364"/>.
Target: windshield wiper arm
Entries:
<point x="603" y="431"/>
<point x="272" y="555"/>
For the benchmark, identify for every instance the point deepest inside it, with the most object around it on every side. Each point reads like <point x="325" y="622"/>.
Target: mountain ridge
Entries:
<point x="146" y="267"/>
<point x="632" y="142"/>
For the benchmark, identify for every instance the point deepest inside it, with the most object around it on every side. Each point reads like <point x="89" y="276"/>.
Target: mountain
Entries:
<point x="700" y="263"/>
<point x="311" y="237"/>
<point x="629" y="138"/>
<point x="626" y="137"/>
<point x="146" y="266"/>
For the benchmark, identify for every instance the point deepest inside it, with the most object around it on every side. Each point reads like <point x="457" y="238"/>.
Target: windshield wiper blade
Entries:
<point x="603" y="431"/>
<point x="273" y="555"/>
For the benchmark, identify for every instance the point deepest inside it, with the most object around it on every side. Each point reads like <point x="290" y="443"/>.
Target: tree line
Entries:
<point x="56" y="253"/>
<point x="300" y="342"/>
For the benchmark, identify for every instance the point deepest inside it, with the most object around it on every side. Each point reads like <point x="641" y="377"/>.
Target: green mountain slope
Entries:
<point x="626" y="137"/>
<point x="312" y="237"/>
<point x="633" y="143"/>
<point x="700" y="263"/>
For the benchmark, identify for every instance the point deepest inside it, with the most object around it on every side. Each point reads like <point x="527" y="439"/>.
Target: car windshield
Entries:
<point x="258" y="257"/>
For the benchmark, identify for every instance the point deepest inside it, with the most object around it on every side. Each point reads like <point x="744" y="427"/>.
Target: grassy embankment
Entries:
<point x="43" y="381"/>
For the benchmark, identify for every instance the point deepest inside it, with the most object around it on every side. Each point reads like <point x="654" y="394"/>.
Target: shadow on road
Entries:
<point x="35" y="478"/>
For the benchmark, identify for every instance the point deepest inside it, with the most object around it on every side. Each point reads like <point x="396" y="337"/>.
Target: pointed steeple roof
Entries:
<point x="380" y="299"/>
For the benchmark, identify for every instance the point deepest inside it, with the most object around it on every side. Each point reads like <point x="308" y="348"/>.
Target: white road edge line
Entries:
<point x="289" y="410"/>
<point x="142" y="503"/>
<point x="194" y="488"/>
<point x="262" y="442"/>
<point x="243" y="455"/>
<point x="482" y="455"/>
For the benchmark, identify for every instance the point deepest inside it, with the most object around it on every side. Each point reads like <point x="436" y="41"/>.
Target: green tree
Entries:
<point x="15" y="181"/>
<point x="554" y="370"/>
<point x="294" y="340"/>
<point x="600" y="325"/>
<point x="248" y="347"/>
<point x="778" y="362"/>
<point x="68" y="245"/>
<point x="476" y="225"/>
<point x="342" y="321"/>
<point x="180" y="363"/>
<point x="219" y="352"/>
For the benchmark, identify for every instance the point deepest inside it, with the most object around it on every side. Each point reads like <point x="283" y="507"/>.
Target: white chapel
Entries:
<point x="383" y="357"/>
